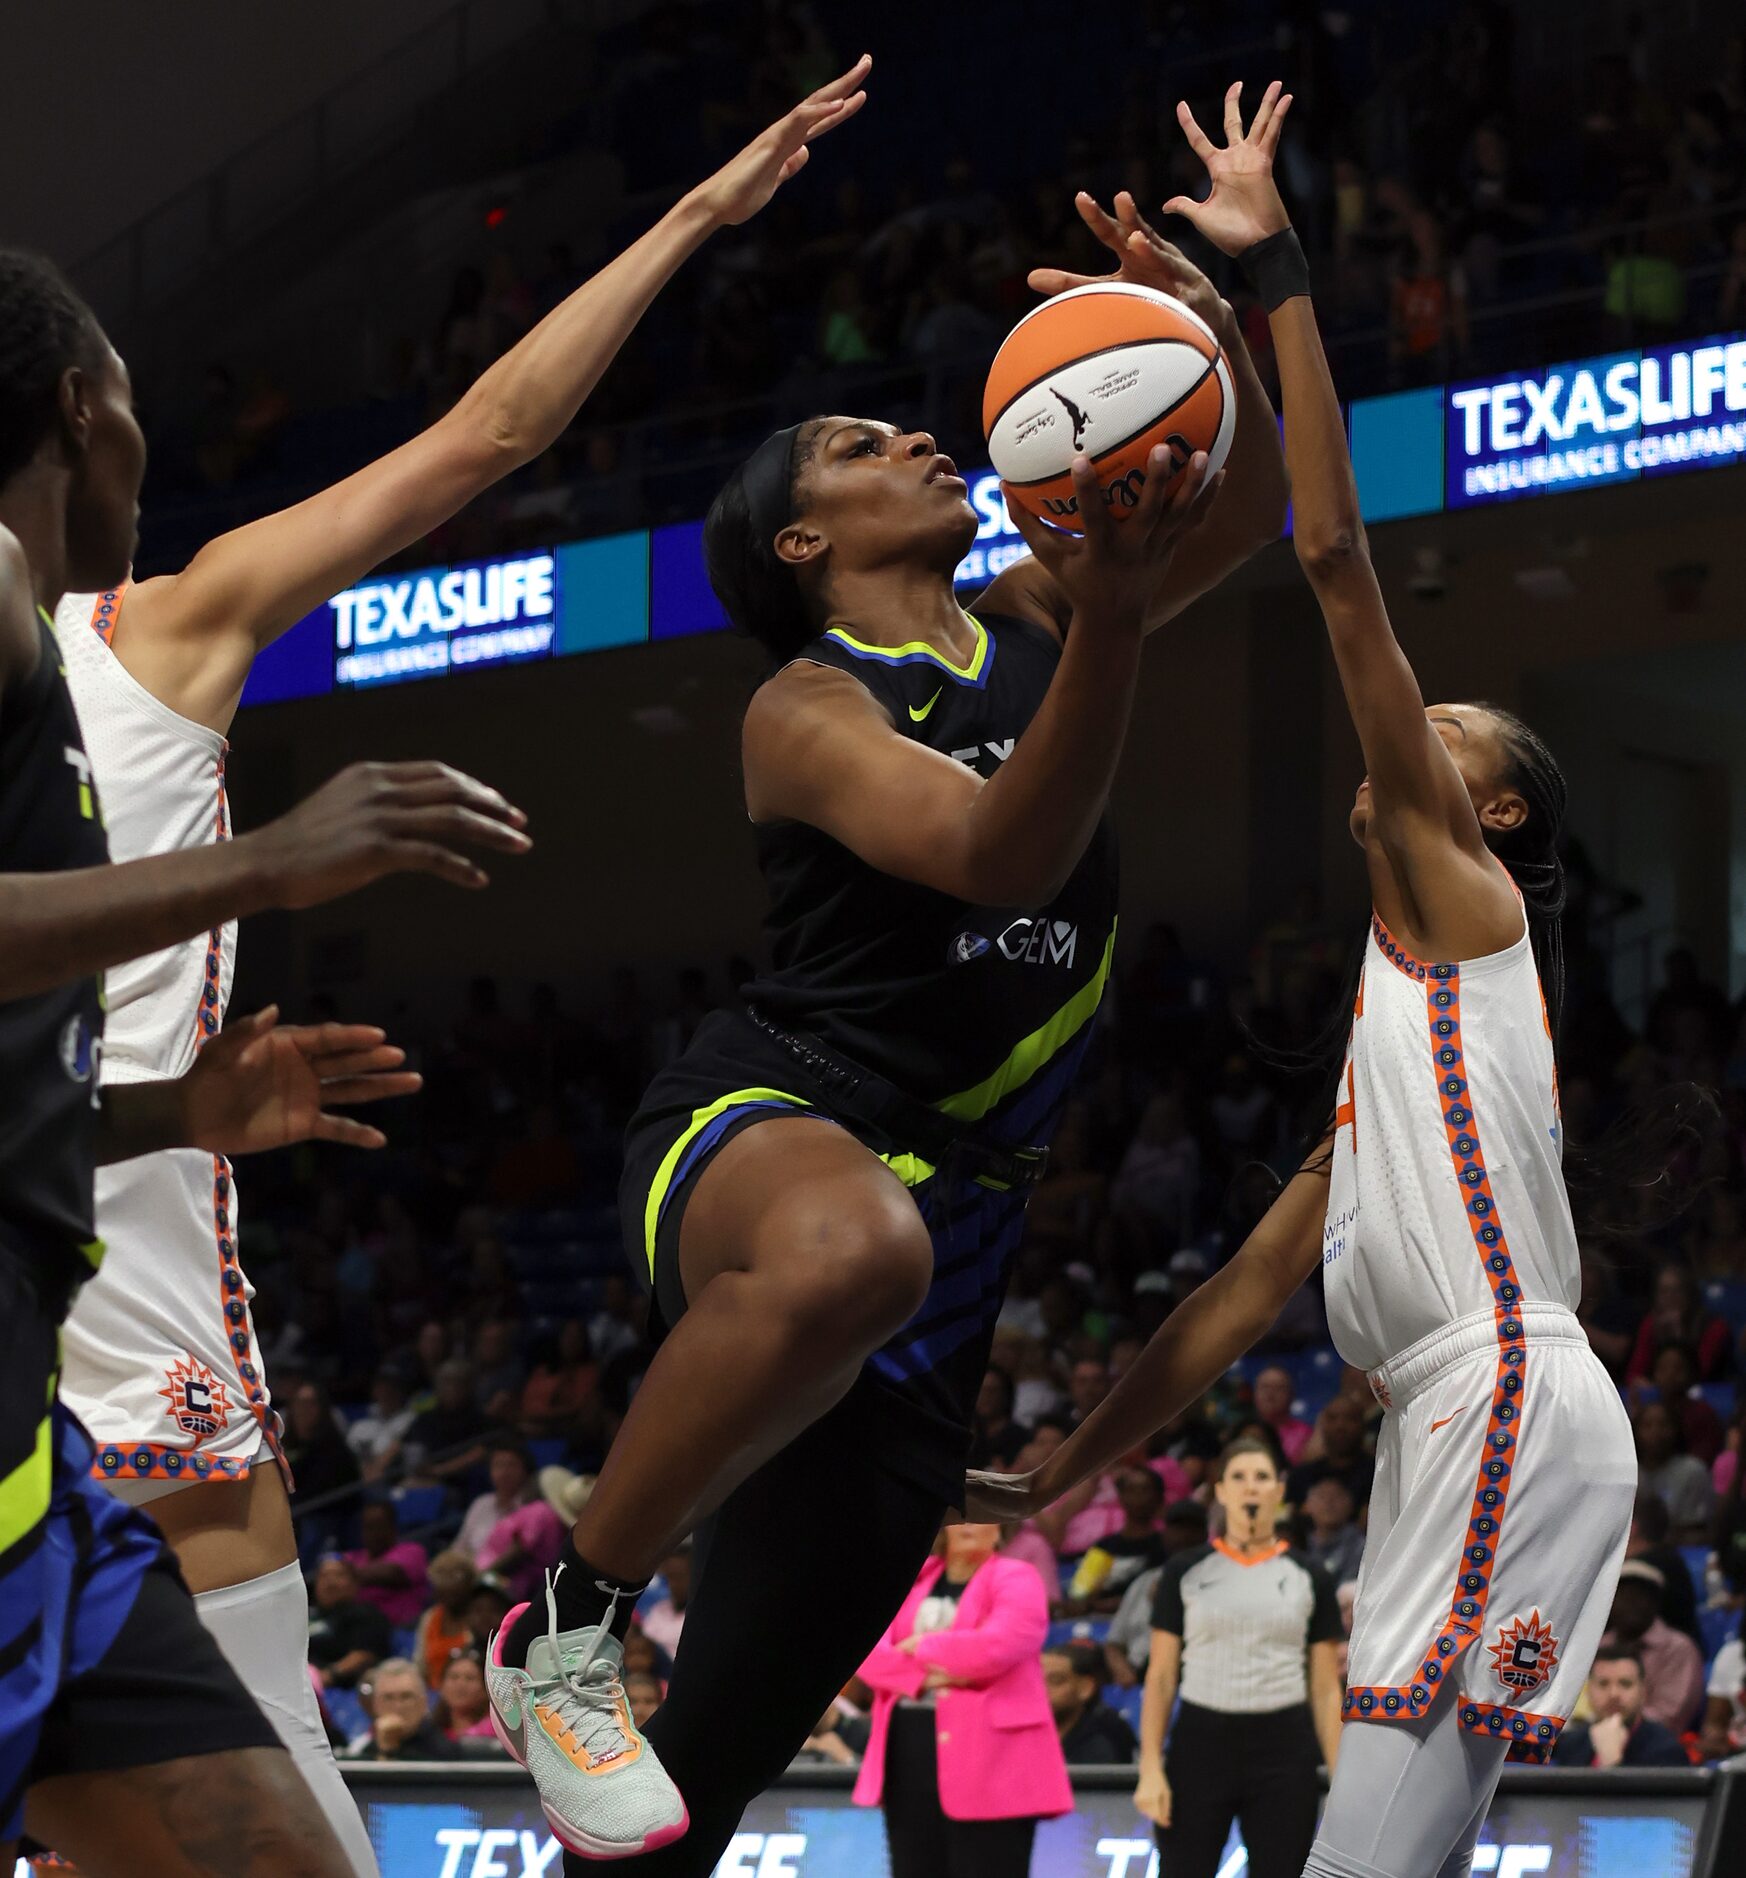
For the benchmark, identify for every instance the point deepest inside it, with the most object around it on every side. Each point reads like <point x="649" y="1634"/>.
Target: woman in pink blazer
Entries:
<point x="964" y="1753"/>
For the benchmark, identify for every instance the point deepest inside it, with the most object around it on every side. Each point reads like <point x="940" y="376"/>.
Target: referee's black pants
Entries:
<point x="798" y="1576"/>
<point x="923" y="1842"/>
<point x="1258" y="1770"/>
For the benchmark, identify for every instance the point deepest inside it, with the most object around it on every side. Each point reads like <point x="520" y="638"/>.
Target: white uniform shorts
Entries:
<point x="159" y="1357"/>
<point x="1505" y="1475"/>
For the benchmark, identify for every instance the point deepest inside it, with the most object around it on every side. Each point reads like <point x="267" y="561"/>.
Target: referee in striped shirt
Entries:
<point x="1247" y="1632"/>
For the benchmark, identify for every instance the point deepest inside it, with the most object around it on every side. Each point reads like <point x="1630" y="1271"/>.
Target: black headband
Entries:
<point x="768" y="474"/>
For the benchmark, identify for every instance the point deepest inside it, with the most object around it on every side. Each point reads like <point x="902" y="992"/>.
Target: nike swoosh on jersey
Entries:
<point x="919" y="715"/>
<point x="1447" y="1419"/>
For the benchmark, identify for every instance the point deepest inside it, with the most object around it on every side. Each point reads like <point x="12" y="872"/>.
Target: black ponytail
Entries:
<point x="1530" y="851"/>
<point x="756" y="587"/>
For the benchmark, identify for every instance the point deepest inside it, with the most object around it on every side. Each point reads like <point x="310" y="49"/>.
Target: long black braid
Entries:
<point x="1530" y="850"/>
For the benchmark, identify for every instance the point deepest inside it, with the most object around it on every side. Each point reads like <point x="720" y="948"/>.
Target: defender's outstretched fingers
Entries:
<point x="1270" y="140"/>
<point x="1234" y="113"/>
<point x="1198" y="141"/>
<point x="1264" y="111"/>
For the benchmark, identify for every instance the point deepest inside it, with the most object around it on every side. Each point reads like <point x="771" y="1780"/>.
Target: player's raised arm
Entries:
<point x="371" y="820"/>
<point x="1251" y="508"/>
<point x="1195" y="1345"/>
<point x="190" y="638"/>
<point x="1422" y="811"/>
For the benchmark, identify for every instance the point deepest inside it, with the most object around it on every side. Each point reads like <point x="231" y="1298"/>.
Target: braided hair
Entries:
<point x="44" y="328"/>
<point x="757" y="588"/>
<point x="1530" y="849"/>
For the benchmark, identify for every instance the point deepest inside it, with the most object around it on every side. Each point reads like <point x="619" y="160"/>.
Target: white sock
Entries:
<point x="262" y="1626"/>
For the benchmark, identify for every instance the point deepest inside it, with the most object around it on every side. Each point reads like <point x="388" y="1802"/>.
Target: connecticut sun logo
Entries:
<point x="1525" y="1655"/>
<point x="199" y="1402"/>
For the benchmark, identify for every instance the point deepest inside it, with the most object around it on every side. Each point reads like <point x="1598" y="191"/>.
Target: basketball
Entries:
<point x="1113" y="370"/>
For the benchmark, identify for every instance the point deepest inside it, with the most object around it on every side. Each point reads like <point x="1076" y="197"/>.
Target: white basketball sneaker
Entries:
<point x="565" y="1718"/>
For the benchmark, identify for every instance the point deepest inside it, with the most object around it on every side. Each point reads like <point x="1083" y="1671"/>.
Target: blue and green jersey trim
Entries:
<point x="917" y="652"/>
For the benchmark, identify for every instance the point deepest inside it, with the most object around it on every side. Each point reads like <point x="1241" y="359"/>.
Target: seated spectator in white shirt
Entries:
<point x="512" y="1485"/>
<point x="374" y="1437"/>
<point x="1621" y="1734"/>
<point x="1127" y="1647"/>
<point x="1333" y="1540"/>
<point x="664" y="1621"/>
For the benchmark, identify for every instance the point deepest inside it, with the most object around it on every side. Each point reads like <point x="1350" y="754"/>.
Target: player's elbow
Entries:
<point x="1332" y="552"/>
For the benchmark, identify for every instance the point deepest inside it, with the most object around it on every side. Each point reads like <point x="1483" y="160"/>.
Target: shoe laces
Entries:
<point x="588" y="1699"/>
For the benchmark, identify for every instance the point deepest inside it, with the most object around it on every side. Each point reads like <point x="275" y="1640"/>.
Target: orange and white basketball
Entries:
<point x="1111" y="370"/>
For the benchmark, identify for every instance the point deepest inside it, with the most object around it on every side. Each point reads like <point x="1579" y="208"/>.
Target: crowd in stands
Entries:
<point x="1420" y="168"/>
<point x="452" y="1334"/>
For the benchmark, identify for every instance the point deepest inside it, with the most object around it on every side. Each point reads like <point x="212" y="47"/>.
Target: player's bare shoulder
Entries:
<point x="793" y="719"/>
<point x="19" y="643"/>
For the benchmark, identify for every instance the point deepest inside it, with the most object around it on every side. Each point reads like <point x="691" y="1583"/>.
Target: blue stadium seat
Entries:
<point x="1720" y="1396"/>
<point x="1716" y="1627"/>
<point x="1697" y="1562"/>
<point x="1076" y="1630"/>
<point x="420" y="1506"/>
<point x="1727" y="1298"/>
<point x="346" y="1712"/>
<point x="403" y="1640"/>
<point x="1127" y="1703"/>
<point x="548" y="1452"/>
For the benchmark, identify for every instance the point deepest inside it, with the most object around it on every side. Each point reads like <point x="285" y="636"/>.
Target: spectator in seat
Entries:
<point x="1724" y="1730"/>
<point x="1674" y="1375"/>
<point x="1673" y="1670"/>
<point x="1621" y="1733"/>
<point x="644" y="1694"/>
<point x="963" y="1753"/>
<point x="1273" y="1394"/>
<point x="449" y="1437"/>
<point x="346" y="1635"/>
<point x="1336" y="1452"/>
<point x="315" y="1448"/>
<point x="664" y="1620"/>
<point x="376" y="1437"/>
<point x="1679" y="1480"/>
<point x="1677" y="1315"/>
<point x="512" y="1485"/>
<point x="401" y="1725"/>
<point x="1136" y="1546"/>
<point x="486" y="1610"/>
<point x="564" y="1381"/>
<point x="1087" y="1387"/>
<point x="1128" y="1645"/>
<point x="524" y="1544"/>
<point x="445" y="1627"/>
<point x="1092" y="1733"/>
<point x="999" y="1438"/>
<point x="393" y="1573"/>
<point x="839" y="1740"/>
<point x="462" y="1709"/>
<point x="1650" y="1525"/>
<point x="1333" y="1540"/>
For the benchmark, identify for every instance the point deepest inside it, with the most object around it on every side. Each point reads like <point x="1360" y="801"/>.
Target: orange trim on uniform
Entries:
<point x="1277" y="1550"/>
<point x="106" y="613"/>
<point x="1531" y="1737"/>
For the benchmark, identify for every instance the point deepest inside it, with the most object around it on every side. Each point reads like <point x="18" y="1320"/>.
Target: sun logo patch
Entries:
<point x="1525" y="1655"/>
<point x="199" y="1403"/>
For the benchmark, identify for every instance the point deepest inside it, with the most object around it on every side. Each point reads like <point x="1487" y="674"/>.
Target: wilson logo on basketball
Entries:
<point x="199" y="1402"/>
<point x="1525" y="1654"/>
<point x="1123" y="492"/>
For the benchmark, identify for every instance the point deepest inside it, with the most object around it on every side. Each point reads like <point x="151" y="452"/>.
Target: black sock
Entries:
<point x="584" y="1596"/>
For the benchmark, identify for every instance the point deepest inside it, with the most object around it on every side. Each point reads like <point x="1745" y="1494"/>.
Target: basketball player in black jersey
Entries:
<point x="825" y="1193"/>
<point x="126" y="1740"/>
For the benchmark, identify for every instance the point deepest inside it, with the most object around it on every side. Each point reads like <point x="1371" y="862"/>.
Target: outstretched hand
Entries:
<point x="1244" y="206"/>
<point x="741" y="187"/>
<point x="1144" y="259"/>
<point x="261" y="1084"/>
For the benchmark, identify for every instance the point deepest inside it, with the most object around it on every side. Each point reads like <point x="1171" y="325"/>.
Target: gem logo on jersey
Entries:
<point x="1525" y="1655"/>
<point x="1040" y="942"/>
<point x="199" y="1403"/>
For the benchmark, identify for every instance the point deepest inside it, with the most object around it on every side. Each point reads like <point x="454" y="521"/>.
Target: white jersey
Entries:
<point x="1505" y="1468"/>
<point x="159" y="1349"/>
<point x="1446" y="1191"/>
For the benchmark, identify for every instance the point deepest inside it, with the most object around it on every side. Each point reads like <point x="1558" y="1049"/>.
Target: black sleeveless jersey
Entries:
<point x="49" y="1044"/>
<point x="981" y="1010"/>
